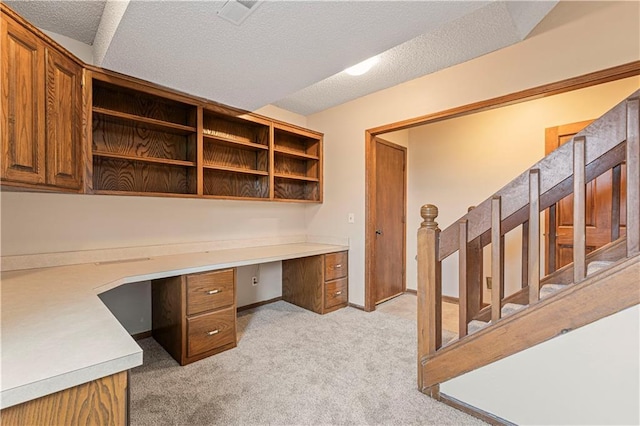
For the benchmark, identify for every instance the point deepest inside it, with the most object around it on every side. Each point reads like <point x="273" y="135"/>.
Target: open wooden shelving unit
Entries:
<point x="141" y="142"/>
<point x="297" y="164"/>
<point x="236" y="156"/>
<point x="146" y="140"/>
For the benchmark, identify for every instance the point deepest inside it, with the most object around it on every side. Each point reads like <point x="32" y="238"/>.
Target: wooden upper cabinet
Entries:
<point x="41" y="111"/>
<point x="23" y="135"/>
<point x="63" y="120"/>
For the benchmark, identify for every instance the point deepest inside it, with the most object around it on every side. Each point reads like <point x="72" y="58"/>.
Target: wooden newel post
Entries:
<point x="429" y="291"/>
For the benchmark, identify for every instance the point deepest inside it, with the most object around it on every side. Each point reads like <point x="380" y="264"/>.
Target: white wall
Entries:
<point x="463" y="161"/>
<point x="589" y="376"/>
<point x="555" y="50"/>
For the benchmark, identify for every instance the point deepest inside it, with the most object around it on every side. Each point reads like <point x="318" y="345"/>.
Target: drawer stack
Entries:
<point x="336" y="288"/>
<point x="318" y="283"/>
<point x="194" y="316"/>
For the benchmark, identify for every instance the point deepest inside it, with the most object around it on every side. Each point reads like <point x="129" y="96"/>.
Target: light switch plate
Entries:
<point x="352" y="218"/>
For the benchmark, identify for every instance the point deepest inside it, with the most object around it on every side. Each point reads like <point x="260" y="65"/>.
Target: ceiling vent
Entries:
<point x="236" y="11"/>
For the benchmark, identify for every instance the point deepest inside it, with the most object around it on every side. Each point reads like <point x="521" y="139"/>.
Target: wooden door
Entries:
<point x="63" y="120"/>
<point x="389" y="267"/>
<point x="559" y="250"/>
<point x="22" y="104"/>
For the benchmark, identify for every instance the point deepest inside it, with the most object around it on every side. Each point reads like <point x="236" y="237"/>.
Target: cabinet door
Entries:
<point x="22" y="104"/>
<point x="63" y="120"/>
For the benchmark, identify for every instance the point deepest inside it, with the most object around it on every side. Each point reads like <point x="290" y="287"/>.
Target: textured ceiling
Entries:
<point x="489" y="28"/>
<point x="289" y="53"/>
<point x="279" y="49"/>
<point x="76" y="19"/>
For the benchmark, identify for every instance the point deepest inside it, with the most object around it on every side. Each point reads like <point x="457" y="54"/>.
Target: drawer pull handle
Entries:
<point x="338" y="293"/>
<point x="211" y="333"/>
<point x="338" y="266"/>
<point x="217" y="290"/>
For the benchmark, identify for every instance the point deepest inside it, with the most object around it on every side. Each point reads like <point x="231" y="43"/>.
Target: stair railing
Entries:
<point x="606" y="144"/>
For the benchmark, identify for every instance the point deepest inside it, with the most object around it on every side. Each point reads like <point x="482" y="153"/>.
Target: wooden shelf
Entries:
<point x="149" y="123"/>
<point x="236" y="170"/>
<point x="236" y="143"/>
<point x="296" y="177"/>
<point x="294" y="154"/>
<point x="166" y="161"/>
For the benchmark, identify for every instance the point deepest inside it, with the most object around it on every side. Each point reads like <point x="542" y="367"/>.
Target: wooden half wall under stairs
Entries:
<point x="595" y="285"/>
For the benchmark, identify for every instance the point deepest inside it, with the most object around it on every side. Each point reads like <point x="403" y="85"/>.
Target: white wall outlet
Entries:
<point x="352" y="218"/>
<point x="254" y="281"/>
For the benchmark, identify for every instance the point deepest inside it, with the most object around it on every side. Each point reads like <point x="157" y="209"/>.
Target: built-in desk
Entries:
<point x="56" y="333"/>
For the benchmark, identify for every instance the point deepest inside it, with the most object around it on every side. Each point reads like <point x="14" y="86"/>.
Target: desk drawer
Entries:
<point x="336" y="293"/>
<point x="335" y="265"/>
<point x="210" y="290"/>
<point x="210" y="331"/>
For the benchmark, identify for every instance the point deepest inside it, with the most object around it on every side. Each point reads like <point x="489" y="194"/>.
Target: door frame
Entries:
<point x="587" y="80"/>
<point x="371" y="220"/>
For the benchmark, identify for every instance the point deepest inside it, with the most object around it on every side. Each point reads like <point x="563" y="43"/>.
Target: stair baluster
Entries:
<point x="616" y="181"/>
<point x="533" y="261"/>
<point x="525" y="255"/>
<point x="633" y="176"/>
<point x="497" y="260"/>
<point x="462" y="281"/>
<point x="475" y="274"/>
<point x="579" y="209"/>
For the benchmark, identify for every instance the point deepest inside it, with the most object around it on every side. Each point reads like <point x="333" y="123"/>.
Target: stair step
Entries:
<point x="476" y="325"/>
<point x="507" y="309"/>
<point x="598" y="265"/>
<point x="548" y="289"/>
<point x="545" y="291"/>
<point x="510" y="308"/>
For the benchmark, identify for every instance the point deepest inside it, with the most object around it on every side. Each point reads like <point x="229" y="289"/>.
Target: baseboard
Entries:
<point x="450" y="299"/>
<point x="474" y="411"/>
<point x="255" y="305"/>
<point x="143" y="335"/>
<point x="354" y="305"/>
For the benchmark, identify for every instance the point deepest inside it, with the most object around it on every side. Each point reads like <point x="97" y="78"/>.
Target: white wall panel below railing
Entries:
<point x="588" y="376"/>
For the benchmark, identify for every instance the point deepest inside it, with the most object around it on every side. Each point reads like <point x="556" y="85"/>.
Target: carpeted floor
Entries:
<point x="294" y="367"/>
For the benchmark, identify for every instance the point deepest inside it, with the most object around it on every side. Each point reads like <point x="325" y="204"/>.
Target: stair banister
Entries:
<point x="604" y="145"/>
<point x="429" y="291"/>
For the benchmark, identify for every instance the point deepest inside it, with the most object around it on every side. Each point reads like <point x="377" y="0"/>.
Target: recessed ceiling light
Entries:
<point x="362" y="67"/>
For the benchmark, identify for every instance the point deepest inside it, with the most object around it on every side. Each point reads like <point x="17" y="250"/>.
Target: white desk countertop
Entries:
<point x="56" y="333"/>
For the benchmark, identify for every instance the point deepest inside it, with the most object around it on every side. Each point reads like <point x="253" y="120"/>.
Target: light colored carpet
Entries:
<point x="294" y="367"/>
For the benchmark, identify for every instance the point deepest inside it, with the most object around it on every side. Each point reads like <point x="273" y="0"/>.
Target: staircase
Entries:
<point x="595" y="285"/>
